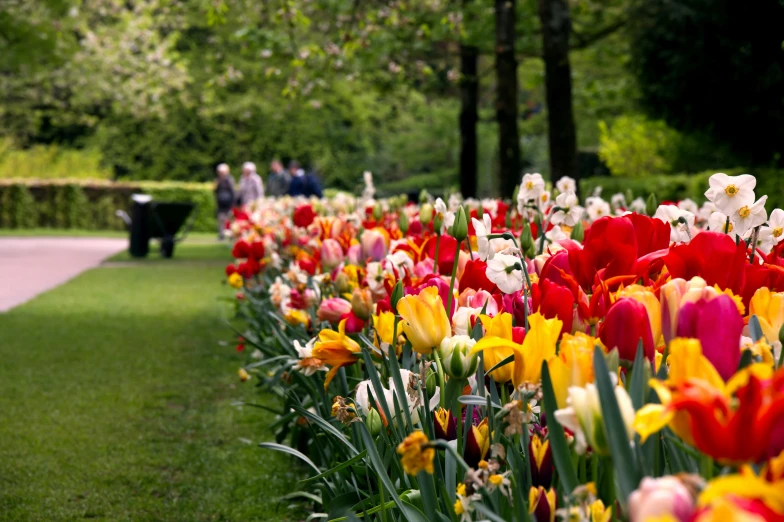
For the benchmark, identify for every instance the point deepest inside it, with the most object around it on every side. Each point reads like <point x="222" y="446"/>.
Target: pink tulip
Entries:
<point x="332" y="309"/>
<point x="354" y="254"/>
<point x="481" y="298"/>
<point x="718" y="325"/>
<point x="424" y="268"/>
<point x="331" y="254"/>
<point x="374" y="246"/>
<point x="660" y="497"/>
<point x="624" y="326"/>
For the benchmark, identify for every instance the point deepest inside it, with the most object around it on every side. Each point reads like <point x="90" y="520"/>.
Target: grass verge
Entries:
<point x="116" y="402"/>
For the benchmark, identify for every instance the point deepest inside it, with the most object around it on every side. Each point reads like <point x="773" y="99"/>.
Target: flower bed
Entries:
<point x="447" y="361"/>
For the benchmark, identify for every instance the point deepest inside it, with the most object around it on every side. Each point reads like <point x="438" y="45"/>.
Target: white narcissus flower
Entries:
<point x="583" y="417"/>
<point x="680" y="222"/>
<point x="597" y="208"/>
<point x="461" y="319"/>
<point x="544" y="200"/>
<point x="530" y="189"/>
<point x="618" y="200"/>
<point x="688" y="205"/>
<point x="447" y="217"/>
<point x="483" y="229"/>
<point x="730" y="193"/>
<point x="307" y="364"/>
<point x="765" y="239"/>
<point x="505" y="270"/>
<point x="556" y="234"/>
<point x="638" y="205"/>
<point x="566" y="184"/>
<point x="750" y="216"/>
<point x="717" y="222"/>
<point x="706" y="210"/>
<point x="569" y="212"/>
<point x="776" y="224"/>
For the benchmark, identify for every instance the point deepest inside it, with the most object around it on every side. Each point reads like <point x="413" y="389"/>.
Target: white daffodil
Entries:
<point x="566" y="184"/>
<point x="705" y="211"/>
<point x="461" y="319"/>
<point x="638" y="205"/>
<point x="544" y="200"/>
<point x="307" y="364"/>
<point x="556" y="234"/>
<point x="730" y="193"/>
<point x="680" y="222"/>
<point x="454" y="201"/>
<point x="597" y="208"/>
<point x="447" y="217"/>
<point x="618" y="200"/>
<point x="765" y="239"/>
<point x="689" y="206"/>
<point x="776" y="224"/>
<point x="717" y="222"/>
<point x="505" y="270"/>
<point x="530" y="189"/>
<point x="483" y="229"/>
<point x="750" y="216"/>
<point x="569" y="212"/>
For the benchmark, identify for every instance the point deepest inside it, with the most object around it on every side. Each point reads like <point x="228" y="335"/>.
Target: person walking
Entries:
<point x="224" y="197"/>
<point x="278" y="180"/>
<point x="302" y="183"/>
<point x="251" y="186"/>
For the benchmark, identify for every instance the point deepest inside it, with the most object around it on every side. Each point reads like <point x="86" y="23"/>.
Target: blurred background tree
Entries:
<point x="159" y="89"/>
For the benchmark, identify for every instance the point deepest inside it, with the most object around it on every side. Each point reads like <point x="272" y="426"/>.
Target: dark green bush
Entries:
<point x="91" y="205"/>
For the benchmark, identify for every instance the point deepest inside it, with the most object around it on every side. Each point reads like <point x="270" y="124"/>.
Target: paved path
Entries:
<point x="31" y="266"/>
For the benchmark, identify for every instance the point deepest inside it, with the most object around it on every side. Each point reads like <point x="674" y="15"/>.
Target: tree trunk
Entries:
<point x="469" y="116"/>
<point x="556" y="26"/>
<point x="506" y="96"/>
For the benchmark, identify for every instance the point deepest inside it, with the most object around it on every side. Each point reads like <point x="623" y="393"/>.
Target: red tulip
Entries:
<point x="652" y="234"/>
<point x="446" y="252"/>
<point x="241" y="249"/>
<point x="541" y="462"/>
<point x="353" y="323"/>
<point x="712" y="256"/>
<point x="475" y="276"/>
<point x="303" y="215"/>
<point x="257" y="250"/>
<point x="625" y="325"/>
<point x="230" y="269"/>
<point x="445" y="424"/>
<point x="718" y="325"/>
<point x="553" y="300"/>
<point x="609" y="251"/>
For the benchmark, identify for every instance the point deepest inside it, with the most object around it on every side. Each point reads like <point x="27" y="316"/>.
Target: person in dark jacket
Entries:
<point x="302" y="183"/>
<point x="278" y="180"/>
<point x="224" y="197"/>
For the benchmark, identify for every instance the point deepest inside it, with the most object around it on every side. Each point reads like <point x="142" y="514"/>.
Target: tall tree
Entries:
<point x="506" y="96"/>
<point x="556" y="26"/>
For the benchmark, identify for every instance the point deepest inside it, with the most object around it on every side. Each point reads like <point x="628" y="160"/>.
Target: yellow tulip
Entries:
<point x="538" y="346"/>
<point x="647" y="298"/>
<point x="335" y="349"/>
<point x="384" y="327"/>
<point x="496" y="328"/>
<point x="424" y="320"/>
<point x="769" y="308"/>
<point x="573" y="366"/>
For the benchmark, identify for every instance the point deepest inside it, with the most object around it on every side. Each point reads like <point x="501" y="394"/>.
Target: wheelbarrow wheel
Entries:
<point x="167" y="247"/>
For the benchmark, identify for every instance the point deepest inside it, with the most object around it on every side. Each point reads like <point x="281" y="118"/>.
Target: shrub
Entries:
<point x="50" y="162"/>
<point x="90" y="204"/>
<point x="635" y="146"/>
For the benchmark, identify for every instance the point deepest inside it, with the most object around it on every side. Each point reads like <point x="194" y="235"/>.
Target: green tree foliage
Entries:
<point x="717" y="66"/>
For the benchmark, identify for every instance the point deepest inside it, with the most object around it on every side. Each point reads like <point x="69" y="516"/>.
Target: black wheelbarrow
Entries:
<point x="168" y="222"/>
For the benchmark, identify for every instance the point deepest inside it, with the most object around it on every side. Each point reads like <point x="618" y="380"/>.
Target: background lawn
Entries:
<point x="116" y="401"/>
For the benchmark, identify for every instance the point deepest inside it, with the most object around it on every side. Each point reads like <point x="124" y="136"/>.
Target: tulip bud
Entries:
<point x="578" y="232"/>
<point x="331" y="254"/>
<point x="438" y="220"/>
<point x="333" y="309"/>
<point x="541" y="504"/>
<point x="362" y="303"/>
<point x="397" y="295"/>
<point x="374" y="246"/>
<point x="456" y="356"/>
<point x="373" y="422"/>
<point x="425" y="213"/>
<point x="430" y="383"/>
<point x="460" y="227"/>
<point x="377" y="211"/>
<point x="423" y="196"/>
<point x="651" y="204"/>
<point x="665" y="497"/>
<point x="541" y="462"/>
<point x="342" y="283"/>
<point x="403" y="222"/>
<point x="526" y="238"/>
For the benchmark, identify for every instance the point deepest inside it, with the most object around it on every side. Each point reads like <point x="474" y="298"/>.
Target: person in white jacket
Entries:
<point x="251" y="186"/>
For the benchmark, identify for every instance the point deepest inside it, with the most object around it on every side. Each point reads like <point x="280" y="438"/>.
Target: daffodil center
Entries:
<point x="529" y="185"/>
<point x="744" y="212"/>
<point x="731" y="190"/>
<point x="730" y="227"/>
<point x="777" y="231"/>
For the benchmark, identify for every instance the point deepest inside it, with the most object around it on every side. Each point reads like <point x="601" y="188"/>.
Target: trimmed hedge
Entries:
<point x="90" y="204"/>
<point x="680" y="186"/>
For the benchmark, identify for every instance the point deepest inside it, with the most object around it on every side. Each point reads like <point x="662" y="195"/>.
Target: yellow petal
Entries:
<point x="650" y="419"/>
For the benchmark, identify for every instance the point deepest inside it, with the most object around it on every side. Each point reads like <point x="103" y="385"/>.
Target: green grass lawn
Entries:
<point x="116" y="402"/>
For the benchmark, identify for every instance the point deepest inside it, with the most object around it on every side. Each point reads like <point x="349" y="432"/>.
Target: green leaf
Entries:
<point x="326" y="426"/>
<point x="561" y="453"/>
<point x="476" y="401"/>
<point x="504" y="362"/>
<point x="626" y="468"/>
<point x="638" y="381"/>
<point x="339" y="467"/>
<point x="755" y="329"/>
<point x="290" y="451"/>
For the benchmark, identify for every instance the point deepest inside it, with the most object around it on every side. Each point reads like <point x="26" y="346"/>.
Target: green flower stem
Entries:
<point x="450" y="297"/>
<point x="440" y="377"/>
<point x="754" y="237"/>
<point x="435" y="258"/>
<point x="706" y="466"/>
<point x="544" y="228"/>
